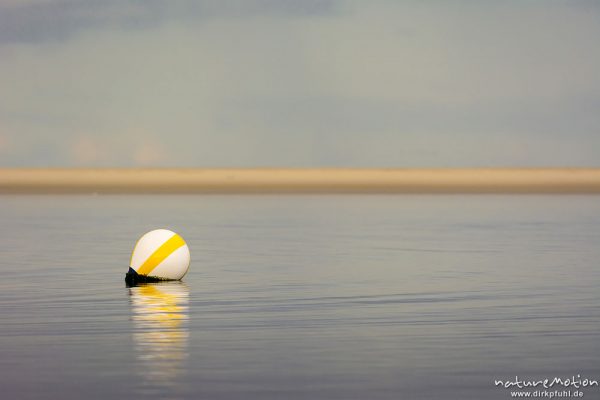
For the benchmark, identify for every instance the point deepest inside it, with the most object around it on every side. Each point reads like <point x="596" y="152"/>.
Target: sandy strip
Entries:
<point x="275" y="180"/>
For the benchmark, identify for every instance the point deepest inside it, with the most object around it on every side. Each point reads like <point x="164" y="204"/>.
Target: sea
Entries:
<point x="302" y="297"/>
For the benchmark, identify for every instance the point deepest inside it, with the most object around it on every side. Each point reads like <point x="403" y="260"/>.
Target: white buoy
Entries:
<point x="159" y="255"/>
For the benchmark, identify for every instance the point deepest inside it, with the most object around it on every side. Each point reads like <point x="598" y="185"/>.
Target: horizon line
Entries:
<point x="509" y="180"/>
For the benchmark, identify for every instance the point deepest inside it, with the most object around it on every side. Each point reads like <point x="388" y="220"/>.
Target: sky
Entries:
<point x="289" y="83"/>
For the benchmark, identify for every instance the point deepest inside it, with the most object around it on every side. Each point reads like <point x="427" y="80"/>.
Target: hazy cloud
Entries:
<point x="4" y="145"/>
<point x="45" y="20"/>
<point x="149" y="153"/>
<point x="299" y="83"/>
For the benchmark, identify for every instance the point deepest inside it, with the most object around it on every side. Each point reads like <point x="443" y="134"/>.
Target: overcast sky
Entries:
<point x="309" y="83"/>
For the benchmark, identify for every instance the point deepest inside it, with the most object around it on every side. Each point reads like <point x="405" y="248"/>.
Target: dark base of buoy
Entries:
<point x="132" y="278"/>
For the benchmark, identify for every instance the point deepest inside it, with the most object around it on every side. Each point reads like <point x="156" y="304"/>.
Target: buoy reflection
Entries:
<point x="160" y="334"/>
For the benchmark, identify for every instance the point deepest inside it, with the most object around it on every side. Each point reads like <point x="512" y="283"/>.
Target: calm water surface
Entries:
<point x="299" y="297"/>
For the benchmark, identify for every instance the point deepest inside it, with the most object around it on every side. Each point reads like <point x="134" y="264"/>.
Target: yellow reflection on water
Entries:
<point x="160" y="318"/>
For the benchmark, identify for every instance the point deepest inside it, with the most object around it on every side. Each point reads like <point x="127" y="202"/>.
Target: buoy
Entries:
<point x="159" y="255"/>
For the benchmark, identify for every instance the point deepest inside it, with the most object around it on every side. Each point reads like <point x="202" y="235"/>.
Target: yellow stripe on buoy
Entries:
<point x="160" y="254"/>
